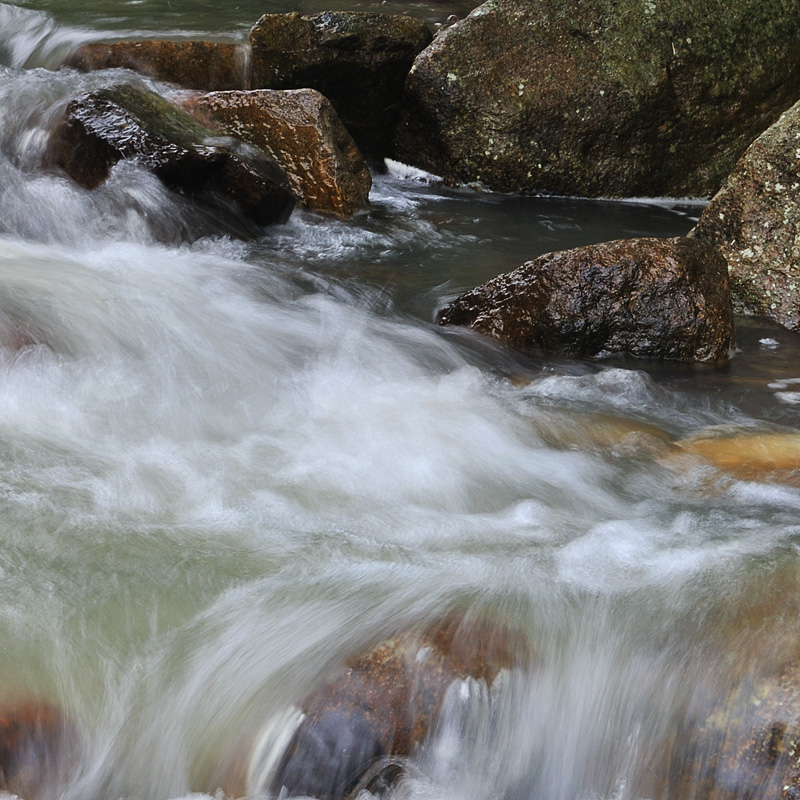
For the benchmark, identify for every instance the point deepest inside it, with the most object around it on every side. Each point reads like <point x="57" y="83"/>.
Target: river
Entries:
<point x="225" y="466"/>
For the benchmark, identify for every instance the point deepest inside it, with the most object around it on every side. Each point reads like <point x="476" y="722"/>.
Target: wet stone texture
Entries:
<point x="656" y="298"/>
<point x="302" y="132"/>
<point x="386" y="702"/>
<point x="358" y="60"/>
<point x="210" y="66"/>
<point x="601" y="98"/>
<point x="754" y="221"/>
<point x="128" y="122"/>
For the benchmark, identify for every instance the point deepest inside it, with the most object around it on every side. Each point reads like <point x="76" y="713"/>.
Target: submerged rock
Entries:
<point x="38" y="749"/>
<point x="358" y="60"/>
<point x="128" y="122"/>
<point x="655" y="298"/>
<point x="754" y="221"/>
<point x="210" y="66"/>
<point x="606" y="98"/>
<point x="302" y="132"/>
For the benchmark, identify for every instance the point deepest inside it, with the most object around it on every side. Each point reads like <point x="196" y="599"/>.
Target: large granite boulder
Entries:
<point x="358" y="60"/>
<point x="210" y="66"/>
<point x="601" y="98"/>
<point x="129" y="122"/>
<point x="754" y="221"/>
<point x="656" y="298"/>
<point x="302" y="132"/>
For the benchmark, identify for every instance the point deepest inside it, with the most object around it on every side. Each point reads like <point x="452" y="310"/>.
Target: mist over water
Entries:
<point x="228" y="465"/>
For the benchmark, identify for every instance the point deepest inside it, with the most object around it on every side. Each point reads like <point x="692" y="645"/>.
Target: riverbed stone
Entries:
<point x="210" y="66"/>
<point x="386" y="701"/>
<point x="754" y="221"/>
<point x="359" y="60"/>
<point x="301" y="131"/>
<point x="602" y="98"/>
<point x="130" y="122"/>
<point x="654" y="298"/>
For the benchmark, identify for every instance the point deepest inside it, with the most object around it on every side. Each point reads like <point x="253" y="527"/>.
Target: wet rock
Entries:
<point x="302" y="132"/>
<point x="656" y="298"/>
<point x="358" y="60"/>
<point x="128" y="122"/>
<point x="754" y="221"/>
<point x="609" y="98"/>
<point x="210" y="66"/>
<point x="385" y="703"/>
<point x="38" y="749"/>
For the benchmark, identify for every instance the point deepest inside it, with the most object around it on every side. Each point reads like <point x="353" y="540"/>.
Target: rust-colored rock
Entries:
<point x="385" y="703"/>
<point x="211" y="66"/>
<point x="129" y="122"/>
<point x="302" y="132"/>
<point x="655" y="298"/>
<point x="38" y="749"/>
<point x="358" y="60"/>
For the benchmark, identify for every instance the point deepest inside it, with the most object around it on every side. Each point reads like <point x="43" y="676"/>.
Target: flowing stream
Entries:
<point x="225" y="466"/>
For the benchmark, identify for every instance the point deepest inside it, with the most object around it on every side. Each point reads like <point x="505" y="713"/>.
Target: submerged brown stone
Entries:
<point x="359" y="60"/>
<point x="129" y="122"/>
<point x="210" y="66"/>
<point x="655" y="298"/>
<point x="38" y="749"/>
<point x="302" y="132"/>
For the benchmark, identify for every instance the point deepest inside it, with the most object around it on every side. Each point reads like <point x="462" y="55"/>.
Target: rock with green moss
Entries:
<point x="603" y="97"/>
<point x="754" y="221"/>
<point x="358" y="60"/>
<point x="130" y="122"/>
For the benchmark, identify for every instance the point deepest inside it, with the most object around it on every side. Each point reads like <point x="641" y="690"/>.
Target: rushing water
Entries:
<point x="228" y="465"/>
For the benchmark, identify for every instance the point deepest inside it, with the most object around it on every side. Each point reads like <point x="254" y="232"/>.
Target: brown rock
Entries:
<point x="302" y="132"/>
<point x="358" y="60"/>
<point x="754" y="221"/>
<point x="128" y="122"/>
<point x="656" y="298"/>
<point x="211" y="66"/>
<point x="38" y="749"/>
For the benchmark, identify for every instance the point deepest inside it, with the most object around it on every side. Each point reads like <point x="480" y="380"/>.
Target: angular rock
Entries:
<point x="655" y="298"/>
<point x="302" y="132"/>
<point x="128" y="122"/>
<point x="754" y="221"/>
<point x="602" y="98"/>
<point x="210" y="66"/>
<point x="358" y="60"/>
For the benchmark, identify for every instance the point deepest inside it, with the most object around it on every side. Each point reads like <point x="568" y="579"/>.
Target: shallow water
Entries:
<point x="226" y="466"/>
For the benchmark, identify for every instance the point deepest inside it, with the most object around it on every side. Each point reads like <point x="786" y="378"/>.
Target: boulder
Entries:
<point x="210" y="66"/>
<point x="655" y="298"/>
<point x="38" y="749"/>
<point x="602" y="98"/>
<point x="129" y="122"/>
<point x="302" y="132"/>
<point x="754" y="221"/>
<point x="358" y="60"/>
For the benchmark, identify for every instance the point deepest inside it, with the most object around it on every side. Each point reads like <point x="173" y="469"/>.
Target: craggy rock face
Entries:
<point x="126" y="122"/>
<point x="302" y="132"/>
<point x="212" y="66"/>
<point x="358" y="60"/>
<point x="38" y="748"/>
<point x="656" y="298"/>
<point x="754" y="222"/>
<point x="600" y="98"/>
<point x="386" y="701"/>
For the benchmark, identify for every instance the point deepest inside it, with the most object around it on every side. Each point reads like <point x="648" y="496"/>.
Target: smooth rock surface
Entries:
<point x="754" y="221"/>
<point x="128" y="122"/>
<point x="656" y="298"/>
<point x="210" y="66"/>
<point x="601" y="98"/>
<point x="358" y="60"/>
<point x="302" y="132"/>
